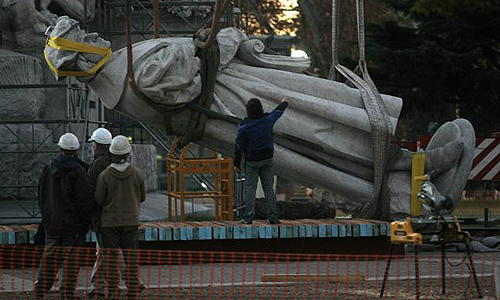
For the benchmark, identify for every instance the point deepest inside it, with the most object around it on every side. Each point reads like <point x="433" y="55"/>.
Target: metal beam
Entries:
<point x="33" y="86"/>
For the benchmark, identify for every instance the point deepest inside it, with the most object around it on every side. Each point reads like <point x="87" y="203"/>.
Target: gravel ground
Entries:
<point x="353" y="290"/>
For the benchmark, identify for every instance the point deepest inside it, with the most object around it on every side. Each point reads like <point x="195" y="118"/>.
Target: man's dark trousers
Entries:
<point x="60" y="250"/>
<point x="111" y="239"/>
<point x="264" y="170"/>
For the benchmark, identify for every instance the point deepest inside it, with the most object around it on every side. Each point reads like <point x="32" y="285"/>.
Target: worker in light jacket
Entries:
<point x="120" y="191"/>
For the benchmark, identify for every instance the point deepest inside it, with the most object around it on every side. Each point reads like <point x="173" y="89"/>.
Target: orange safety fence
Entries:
<point x="169" y="274"/>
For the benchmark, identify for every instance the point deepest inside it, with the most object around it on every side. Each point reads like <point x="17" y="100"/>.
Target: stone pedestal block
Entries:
<point x="20" y="104"/>
<point x="143" y="157"/>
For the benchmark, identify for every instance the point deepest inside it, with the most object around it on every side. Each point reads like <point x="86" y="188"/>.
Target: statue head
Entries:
<point x="77" y="59"/>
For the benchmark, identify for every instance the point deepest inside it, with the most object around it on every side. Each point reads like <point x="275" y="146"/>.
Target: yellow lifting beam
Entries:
<point x="417" y="176"/>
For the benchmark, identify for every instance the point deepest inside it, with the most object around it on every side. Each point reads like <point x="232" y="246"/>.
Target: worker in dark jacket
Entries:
<point x="255" y="140"/>
<point x="120" y="191"/>
<point x="66" y="202"/>
<point x="40" y="231"/>
<point x="101" y="139"/>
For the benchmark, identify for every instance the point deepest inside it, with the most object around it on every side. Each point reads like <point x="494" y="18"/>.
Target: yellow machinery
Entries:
<point x="222" y="172"/>
<point x="419" y="229"/>
<point x="402" y="233"/>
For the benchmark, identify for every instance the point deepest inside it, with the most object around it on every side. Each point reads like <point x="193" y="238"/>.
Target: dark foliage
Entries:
<point x="443" y="61"/>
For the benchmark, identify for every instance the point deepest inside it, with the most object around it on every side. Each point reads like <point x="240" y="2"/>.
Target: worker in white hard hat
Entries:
<point x="66" y="202"/>
<point x="120" y="191"/>
<point x="101" y="139"/>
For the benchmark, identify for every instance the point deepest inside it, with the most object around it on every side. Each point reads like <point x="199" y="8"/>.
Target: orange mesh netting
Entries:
<point x="230" y="275"/>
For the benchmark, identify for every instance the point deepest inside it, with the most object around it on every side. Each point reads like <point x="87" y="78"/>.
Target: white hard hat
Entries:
<point x="101" y="136"/>
<point x="120" y="145"/>
<point x="68" y="141"/>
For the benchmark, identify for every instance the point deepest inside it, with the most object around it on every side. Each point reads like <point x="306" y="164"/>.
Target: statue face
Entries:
<point x="71" y="60"/>
<point x="70" y="29"/>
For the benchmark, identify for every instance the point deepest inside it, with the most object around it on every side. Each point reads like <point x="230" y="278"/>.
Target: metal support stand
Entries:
<point x="386" y="273"/>
<point x="443" y="270"/>
<point x="448" y="231"/>
<point x="473" y="270"/>
<point x="417" y="271"/>
<point x="469" y="261"/>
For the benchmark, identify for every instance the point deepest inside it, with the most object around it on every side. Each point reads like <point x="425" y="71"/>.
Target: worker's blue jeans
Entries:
<point x="264" y="170"/>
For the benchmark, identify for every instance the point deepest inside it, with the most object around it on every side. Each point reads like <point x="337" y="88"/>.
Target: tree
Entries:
<point x="270" y="17"/>
<point x="443" y="61"/>
<point x="315" y="31"/>
<point x="441" y="57"/>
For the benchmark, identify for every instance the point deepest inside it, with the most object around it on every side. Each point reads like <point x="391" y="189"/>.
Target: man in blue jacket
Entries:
<point x="255" y="141"/>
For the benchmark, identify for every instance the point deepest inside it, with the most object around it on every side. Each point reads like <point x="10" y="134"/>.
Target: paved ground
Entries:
<point x="153" y="209"/>
<point x="245" y="280"/>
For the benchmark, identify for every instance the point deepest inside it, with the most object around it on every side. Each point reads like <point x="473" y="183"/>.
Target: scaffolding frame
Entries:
<point x="223" y="185"/>
<point x="144" y="18"/>
<point x="77" y="114"/>
<point x="34" y="149"/>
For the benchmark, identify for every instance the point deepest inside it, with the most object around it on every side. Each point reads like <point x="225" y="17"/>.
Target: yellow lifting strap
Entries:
<point x="68" y="45"/>
<point x="417" y="172"/>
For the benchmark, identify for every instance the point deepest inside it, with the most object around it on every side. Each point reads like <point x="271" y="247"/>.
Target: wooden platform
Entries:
<point x="229" y="230"/>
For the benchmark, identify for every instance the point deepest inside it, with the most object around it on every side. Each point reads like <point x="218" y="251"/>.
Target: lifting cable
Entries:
<point x="381" y="128"/>
<point x="156" y="18"/>
<point x="130" y="58"/>
<point x="128" y="30"/>
<point x="208" y="52"/>
<point x="220" y="7"/>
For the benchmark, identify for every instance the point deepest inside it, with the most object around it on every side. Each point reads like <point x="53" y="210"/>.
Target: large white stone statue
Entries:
<point x="323" y="139"/>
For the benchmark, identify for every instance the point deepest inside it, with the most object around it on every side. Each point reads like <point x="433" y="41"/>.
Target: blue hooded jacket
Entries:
<point x="255" y="136"/>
